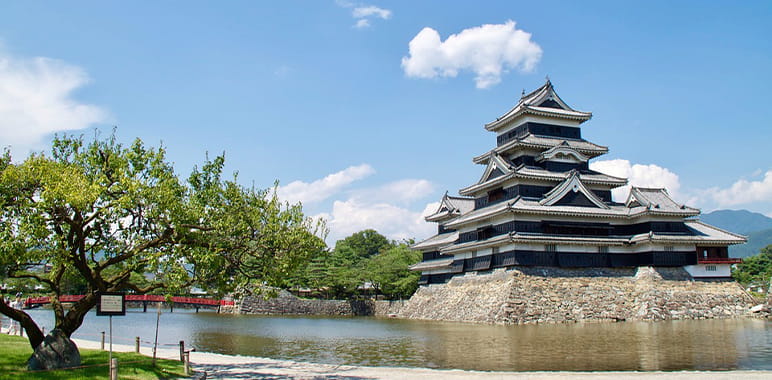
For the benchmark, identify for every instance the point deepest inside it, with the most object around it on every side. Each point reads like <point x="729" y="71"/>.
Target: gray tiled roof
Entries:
<point x="454" y="206"/>
<point x="585" y="147"/>
<point x="544" y="174"/>
<point x="432" y="264"/>
<point x="478" y="214"/>
<point x="655" y="198"/>
<point x="614" y="210"/>
<point x="436" y="241"/>
<point x="531" y="102"/>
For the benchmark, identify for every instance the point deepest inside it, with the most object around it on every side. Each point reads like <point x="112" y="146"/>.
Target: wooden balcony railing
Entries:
<point x="719" y="260"/>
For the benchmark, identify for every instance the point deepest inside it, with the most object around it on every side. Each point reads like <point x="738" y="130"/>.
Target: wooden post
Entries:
<point x="114" y="369"/>
<point x="136" y="344"/>
<point x="103" y="341"/>
<point x="144" y="306"/>
<point x="182" y="350"/>
<point x="187" y="363"/>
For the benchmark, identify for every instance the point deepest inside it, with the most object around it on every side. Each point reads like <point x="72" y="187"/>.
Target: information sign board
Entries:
<point x="111" y="303"/>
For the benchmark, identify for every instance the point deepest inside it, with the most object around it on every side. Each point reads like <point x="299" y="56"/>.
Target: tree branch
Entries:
<point x="34" y="334"/>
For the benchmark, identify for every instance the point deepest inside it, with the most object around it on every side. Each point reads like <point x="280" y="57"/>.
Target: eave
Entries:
<point x="596" y="151"/>
<point x="492" y="242"/>
<point x="553" y="178"/>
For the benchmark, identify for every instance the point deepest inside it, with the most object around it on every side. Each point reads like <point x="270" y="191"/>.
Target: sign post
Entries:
<point x="109" y="304"/>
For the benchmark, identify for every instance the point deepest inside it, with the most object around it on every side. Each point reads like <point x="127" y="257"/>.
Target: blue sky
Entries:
<point x="329" y="98"/>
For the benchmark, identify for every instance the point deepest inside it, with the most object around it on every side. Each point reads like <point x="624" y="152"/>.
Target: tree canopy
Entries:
<point x="755" y="270"/>
<point x="365" y="257"/>
<point x="102" y="214"/>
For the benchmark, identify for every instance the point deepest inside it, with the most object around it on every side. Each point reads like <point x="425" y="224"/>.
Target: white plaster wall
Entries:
<point x="696" y="271"/>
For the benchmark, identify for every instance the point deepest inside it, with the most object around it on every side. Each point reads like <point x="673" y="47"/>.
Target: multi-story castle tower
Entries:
<point x="538" y="203"/>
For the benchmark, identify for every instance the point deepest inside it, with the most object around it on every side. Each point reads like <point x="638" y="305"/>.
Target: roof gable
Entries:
<point x="653" y="198"/>
<point x="497" y="167"/>
<point x="562" y="152"/>
<point x="543" y="101"/>
<point x="450" y="207"/>
<point x="572" y="192"/>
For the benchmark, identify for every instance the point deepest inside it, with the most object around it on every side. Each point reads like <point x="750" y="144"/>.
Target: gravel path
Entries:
<point x="219" y="366"/>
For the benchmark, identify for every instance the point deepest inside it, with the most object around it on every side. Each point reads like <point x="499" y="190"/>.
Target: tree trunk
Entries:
<point x="72" y="320"/>
<point x="34" y="334"/>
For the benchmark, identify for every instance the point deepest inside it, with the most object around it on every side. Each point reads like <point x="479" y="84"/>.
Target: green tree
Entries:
<point x="363" y="257"/>
<point x="361" y="245"/>
<point x="347" y="262"/>
<point x="389" y="271"/>
<point x="756" y="269"/>
<point x="101" y="214"/>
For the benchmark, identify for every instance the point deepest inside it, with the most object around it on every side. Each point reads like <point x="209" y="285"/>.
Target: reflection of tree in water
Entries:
<point x="666" y="346"/>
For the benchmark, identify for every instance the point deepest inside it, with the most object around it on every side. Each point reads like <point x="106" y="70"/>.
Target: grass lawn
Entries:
<point x="15" y="350"/>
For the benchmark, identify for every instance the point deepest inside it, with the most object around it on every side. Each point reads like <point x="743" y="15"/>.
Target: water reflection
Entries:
<point x="667" y="346"/>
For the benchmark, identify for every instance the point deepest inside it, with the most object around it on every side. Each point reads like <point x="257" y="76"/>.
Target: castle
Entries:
<point x="538" y="204"/>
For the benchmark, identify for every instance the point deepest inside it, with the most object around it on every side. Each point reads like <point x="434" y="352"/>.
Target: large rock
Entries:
<point x="56" y="351"/>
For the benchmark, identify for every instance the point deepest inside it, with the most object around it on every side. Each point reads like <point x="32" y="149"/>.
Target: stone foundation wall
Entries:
<point x="286" y="303"/>
<point x="537" y="295"/>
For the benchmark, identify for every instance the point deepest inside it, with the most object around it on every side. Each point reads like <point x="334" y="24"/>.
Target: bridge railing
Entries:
<point x="136" y="298"/>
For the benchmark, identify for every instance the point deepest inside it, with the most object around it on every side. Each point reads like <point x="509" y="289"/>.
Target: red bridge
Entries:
<point x="144" y="298"/>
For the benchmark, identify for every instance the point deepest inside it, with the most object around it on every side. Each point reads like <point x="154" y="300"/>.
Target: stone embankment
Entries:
<point x="550" y="295"/>
<point x="286" y="303"/>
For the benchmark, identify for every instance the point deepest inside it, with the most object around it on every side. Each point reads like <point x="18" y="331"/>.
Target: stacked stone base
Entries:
<point x="286" y="303"/>
<point x="524" y="295"/>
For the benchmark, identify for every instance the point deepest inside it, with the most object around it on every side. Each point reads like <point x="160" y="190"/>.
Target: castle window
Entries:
<point x="494" y="250"/>
<point x="710" y="268"/>
<point x="551" y="248"/>
<point x="496" y="195"/>
<point x="669" y="248"/>
<point x="603" y="249"/>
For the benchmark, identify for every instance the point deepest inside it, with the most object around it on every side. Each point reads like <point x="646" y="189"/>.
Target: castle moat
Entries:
<point x="628" y="346"/>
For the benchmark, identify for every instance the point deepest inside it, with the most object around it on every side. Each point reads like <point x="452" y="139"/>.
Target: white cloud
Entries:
<point x="363" y="13"/>
<point x="371" y="11"/>
<point x="362" y="23"/>
<point x="488" y="51"/>
<point x="394" y="222"/>
<point x="402" y="191"/>
<point x="744" y="192"/>
<point x="385" y="208"/>
<point x="321" y="189"/>
<point x="388" y="208"/>
<point x="638" y="175"/>
<point x="36" y="101"/>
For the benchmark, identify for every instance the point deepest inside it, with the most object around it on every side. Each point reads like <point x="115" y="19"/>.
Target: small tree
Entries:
<point x="756" y="269"/>
<point x="389" y="271"/>
<point x="96" y="216"/>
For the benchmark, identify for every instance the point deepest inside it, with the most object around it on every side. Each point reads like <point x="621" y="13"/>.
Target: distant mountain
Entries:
<point x="757" y="227"/>
<point x="756" y="241"/>
<point x="737" y="221"/>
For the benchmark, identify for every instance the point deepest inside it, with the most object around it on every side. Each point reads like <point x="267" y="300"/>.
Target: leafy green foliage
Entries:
<point x="755" y="270"/>
<point x="98" y="216"/>
<point x="366" y="257"/>
<point x="389" y="272"/>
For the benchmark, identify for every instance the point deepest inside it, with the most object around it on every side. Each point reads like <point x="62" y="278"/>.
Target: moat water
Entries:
<point x="639" y="346"/>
